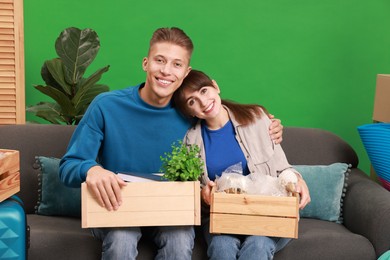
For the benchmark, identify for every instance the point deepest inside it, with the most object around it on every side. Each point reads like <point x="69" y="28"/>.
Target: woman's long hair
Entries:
<point x="245" y="114"/>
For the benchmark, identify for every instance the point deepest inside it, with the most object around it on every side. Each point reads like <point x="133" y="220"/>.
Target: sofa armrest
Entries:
<point x="366" y="210"/>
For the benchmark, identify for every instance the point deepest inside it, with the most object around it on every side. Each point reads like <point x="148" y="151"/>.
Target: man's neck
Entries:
<point x="153" y="100"/>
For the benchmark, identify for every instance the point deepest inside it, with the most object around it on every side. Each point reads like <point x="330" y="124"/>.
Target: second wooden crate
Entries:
<point x="254" y="215"/>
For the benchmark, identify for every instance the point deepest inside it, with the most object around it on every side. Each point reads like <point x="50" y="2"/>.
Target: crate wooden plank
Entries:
<point x="254" y="205"/>
<point x="254" y="215"/>
<point x="146" y="204"/>
<point x="254" y="225"/>
<point x="9" y="173"/>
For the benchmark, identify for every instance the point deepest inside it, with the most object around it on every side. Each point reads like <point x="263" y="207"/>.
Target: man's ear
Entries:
<point x="144" y="63"/>
<point x="188" y="70"/>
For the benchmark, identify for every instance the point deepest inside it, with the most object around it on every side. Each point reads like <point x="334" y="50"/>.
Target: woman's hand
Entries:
<point x="276" y="129"/>
<point x="206" y="192"/>
<point x="304" y="193"/>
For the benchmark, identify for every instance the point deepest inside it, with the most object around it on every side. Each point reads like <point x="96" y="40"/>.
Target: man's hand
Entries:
<point x="276" y="129"/>
<point x="304" y="193"/>
<point x="106" y="186"/>
<point x="206" y="192"/>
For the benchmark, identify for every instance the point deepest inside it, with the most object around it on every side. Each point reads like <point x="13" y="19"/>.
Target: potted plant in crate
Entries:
<point x="183" y="163"/>
<point x="64" y="79"/>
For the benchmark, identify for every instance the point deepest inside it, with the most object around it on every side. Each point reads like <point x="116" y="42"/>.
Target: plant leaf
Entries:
<point x="48" y="111"/>
<point x="63" y="101"/>
<point x="53" y="71"/>
<point x="77" y="49"/>
<point x="87" y="98"/>
<point x="87" y="90"/>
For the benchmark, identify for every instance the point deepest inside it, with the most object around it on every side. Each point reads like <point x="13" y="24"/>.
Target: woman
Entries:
<point x="229" y="133"/>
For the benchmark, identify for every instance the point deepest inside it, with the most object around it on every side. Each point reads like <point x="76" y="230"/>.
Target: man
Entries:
<point x="127" y="130"/>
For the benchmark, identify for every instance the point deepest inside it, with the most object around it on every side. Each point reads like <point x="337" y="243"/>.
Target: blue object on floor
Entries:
<point x="13" y="229"/>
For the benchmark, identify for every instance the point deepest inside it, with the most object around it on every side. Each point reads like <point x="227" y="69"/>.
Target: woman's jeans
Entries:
<point x="232" y="247"/>
<point x="245" y="247"/>
<point x="173" y="243"/>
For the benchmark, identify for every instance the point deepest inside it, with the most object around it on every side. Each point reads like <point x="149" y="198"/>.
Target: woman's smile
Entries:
<point x="209" y="108"/>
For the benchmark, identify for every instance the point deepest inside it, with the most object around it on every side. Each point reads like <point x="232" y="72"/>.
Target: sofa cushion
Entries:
<point x="327" y="186"/>
<point x="55" y="199"/>
<point x="61" y="238"/>
<point x="324" y="240"/>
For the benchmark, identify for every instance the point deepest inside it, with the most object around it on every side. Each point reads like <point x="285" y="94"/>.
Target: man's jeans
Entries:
<point x="173" y="243"/>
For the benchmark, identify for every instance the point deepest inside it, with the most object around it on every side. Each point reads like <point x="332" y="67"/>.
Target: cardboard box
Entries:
<point x="9" y="173"/>
<point x="382" y="99"/>
<point x="156" y="203"/>
<point x="254" y="215"/>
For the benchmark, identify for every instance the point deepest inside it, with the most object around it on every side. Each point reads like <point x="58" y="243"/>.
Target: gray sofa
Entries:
<point x="365" y="233"/>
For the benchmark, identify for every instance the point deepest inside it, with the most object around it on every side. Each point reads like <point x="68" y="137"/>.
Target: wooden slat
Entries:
<point x="7" y="85"/>
<point x="7" y="43"/>
<point x="7" y="12"/>
<point x="7" y="73"/>
<point x="7" y="79"/>
<point x="7" y="97"/>
<point x="7" y="91"/>
<point x="6" y="6"/>
<point x="7" y="115"/>
<point x="7" y="55"/>
<point x="7" y="31"/>
<point x="7" y="37"/>
<point x="7" y="1"/>
<point x="6" y="19"/>
<point x="254" y="205"/>
<point x="7" y="49"/>
<point x="7" y="61"/>
<point x="7" y="121"/>
<point x="7" y="67"/>
<point x="7" y="110"/>
<point x="5" y="103"/>
<point x="254" y="225"/>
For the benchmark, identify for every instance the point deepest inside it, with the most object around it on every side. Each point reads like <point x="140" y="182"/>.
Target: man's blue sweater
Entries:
<point x="122" y="133"/>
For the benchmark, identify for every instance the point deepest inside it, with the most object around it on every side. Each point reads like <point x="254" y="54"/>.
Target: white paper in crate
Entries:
<point x="255" y="183"/>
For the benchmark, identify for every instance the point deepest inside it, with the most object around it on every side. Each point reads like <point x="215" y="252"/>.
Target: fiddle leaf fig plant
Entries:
<point x="64" y="78"/>
<point x="183" y="163"/>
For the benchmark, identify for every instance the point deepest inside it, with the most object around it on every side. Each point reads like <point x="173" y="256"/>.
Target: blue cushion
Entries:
<point x="385" y="256"/>
<point x="327" y="186"/>
<point x="54" y="198"/>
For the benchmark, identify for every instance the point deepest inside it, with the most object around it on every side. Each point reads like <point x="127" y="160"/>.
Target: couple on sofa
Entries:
<point x="129" y="129"/>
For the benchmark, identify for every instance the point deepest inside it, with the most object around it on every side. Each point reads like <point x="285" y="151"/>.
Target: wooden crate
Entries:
<point x="254" y="215"/>
<point x="146" y="204"/>
<point x="9" y="173"/>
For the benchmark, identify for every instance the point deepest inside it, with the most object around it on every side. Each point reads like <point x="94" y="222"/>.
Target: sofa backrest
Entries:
<point x="34" y="140"/>
<point x="313" y="146"/>
<point x="308" y="146"/>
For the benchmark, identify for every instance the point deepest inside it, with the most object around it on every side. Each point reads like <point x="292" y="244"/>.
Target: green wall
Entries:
<point x="311" y="63"/>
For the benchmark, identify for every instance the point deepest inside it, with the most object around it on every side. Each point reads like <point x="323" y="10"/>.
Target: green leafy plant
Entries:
<point x="183" y="163"/>
<point x="64" y="79"/>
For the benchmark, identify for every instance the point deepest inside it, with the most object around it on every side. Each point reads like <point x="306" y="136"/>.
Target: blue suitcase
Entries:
<point x="14" y="232"/>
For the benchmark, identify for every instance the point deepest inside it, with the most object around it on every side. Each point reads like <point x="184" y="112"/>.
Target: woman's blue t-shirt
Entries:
<point x="222" y="150"/>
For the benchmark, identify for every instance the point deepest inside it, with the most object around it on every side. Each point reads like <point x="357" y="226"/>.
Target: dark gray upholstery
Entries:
<point x="364" y="235"/>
